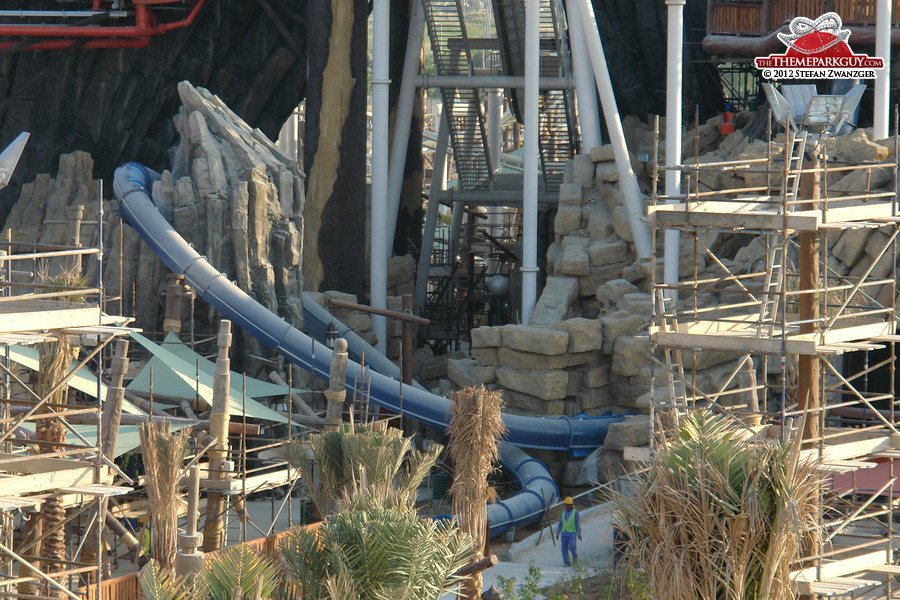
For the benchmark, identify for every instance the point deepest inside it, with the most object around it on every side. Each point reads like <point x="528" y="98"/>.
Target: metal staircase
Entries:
<point x="453" y="56"/>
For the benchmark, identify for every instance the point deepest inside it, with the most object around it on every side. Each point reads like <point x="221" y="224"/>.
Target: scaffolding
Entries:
<point x="805" y="350"/>
<point x="54" y="465"/>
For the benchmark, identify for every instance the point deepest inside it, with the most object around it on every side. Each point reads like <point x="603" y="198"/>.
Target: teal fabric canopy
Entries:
<point x="176" y="373"/>
<point x="83" y="381"/>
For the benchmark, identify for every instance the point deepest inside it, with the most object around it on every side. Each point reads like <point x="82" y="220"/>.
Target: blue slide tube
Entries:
<point x="132" y="187"/>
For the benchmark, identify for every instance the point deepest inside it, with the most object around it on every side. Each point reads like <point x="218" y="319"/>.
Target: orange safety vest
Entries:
<point x="727" y="123"/>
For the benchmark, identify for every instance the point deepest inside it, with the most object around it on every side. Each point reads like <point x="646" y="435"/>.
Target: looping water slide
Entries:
<point x="132" y="185"/>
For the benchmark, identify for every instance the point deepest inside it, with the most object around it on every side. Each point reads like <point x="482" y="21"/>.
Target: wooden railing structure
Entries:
<point x="127" y="587"/>
<point x="762" y="17"/>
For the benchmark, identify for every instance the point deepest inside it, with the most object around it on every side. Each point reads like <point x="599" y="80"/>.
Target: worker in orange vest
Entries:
<point x="727" y="126"/>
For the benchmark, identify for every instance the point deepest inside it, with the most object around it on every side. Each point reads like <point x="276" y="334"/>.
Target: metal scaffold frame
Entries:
<point x="789" y="318"/>
<point x="37" y="308"/>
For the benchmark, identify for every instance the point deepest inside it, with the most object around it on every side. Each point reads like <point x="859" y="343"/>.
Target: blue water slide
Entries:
<point x="132" y="187"/>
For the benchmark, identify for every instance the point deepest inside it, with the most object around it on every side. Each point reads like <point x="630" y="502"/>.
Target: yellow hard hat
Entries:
<point x="568" y="500"/>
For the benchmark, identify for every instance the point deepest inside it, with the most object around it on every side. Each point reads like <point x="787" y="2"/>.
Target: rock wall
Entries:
<point x="586" y="349"/>
<point x="230" y="194"/>
<point x="117" y="104"/>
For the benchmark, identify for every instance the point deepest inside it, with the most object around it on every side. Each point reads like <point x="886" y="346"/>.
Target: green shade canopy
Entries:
<point x="176" y="375"/>
<point x="83" y="381"/>
<point x="128" y="439"/>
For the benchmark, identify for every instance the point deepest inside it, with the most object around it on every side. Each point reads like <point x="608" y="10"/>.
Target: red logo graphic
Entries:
<point x="818" y="50"/>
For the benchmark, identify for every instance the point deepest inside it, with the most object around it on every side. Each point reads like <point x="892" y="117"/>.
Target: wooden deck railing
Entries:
<point x="761" y="17"/>
<point x="127" y="587"/>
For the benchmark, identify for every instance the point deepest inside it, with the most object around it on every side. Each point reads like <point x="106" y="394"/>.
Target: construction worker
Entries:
<point x="727" y="126"/>
<point x="569" y="526"/>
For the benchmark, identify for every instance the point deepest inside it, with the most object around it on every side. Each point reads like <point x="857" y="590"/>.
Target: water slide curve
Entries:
<point x="132" y="184"/>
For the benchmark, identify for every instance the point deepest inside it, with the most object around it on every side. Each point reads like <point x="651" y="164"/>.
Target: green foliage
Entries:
<point x="527" y="590"/>
<point x="159" y="584"/>
<point x="239" y="573"/>
<point x="720" y="517"/>
<point x="375" y="466"/>
<point x="236" y="574"/>
<point x="375" y="554"/>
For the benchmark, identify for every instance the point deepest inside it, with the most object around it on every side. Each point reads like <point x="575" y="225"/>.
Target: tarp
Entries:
<point x="128" y="439"/>
<point x="175" y="376"/>
<point x="83" y="381"/>
<point x="256" y="388"/>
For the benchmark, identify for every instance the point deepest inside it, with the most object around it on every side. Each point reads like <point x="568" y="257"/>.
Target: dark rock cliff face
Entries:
<point x="634" y="40"/>
<point x="118" y="104"/>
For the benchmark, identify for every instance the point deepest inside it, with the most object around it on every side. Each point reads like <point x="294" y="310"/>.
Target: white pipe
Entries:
<point x="495" y="127"/>
<point x="883" y="79"/>
<point x="403" y="120"/>
<point x="674" y="70"/>
<point x="585" y="90"/>
<point x="380" y="201"/>
<point x="438" y="184"/>
<point x="631" y="191"/>
<point x="492" y="81"/>
<point x="529" y="266"/>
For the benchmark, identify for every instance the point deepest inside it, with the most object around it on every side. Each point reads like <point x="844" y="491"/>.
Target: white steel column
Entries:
<point x="631" y="191"/>
<point x="495" y="127"/>
<point x="585" y="86"/>
<point x="674" y="70"/>
<point x="883" y="79"/>
<point x="403" y="120"/>
<point x="438" y="185"/>
<point x="380" y="201"/>
<point x="529" y="266"/>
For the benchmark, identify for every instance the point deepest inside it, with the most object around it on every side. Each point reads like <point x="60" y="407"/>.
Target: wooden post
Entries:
<point x="808" y="365"/>
<point x="190" y="560"/>
<point x="337" y="386"/>
<point x="301" y="406"/>
<point x="115" y="397"/>
<point x="212" y="531"/>
<point x="174" y="296"/>
<point x="109" y="435"/>
<point x="408" y="344"/>
<point x="74" y="214"/>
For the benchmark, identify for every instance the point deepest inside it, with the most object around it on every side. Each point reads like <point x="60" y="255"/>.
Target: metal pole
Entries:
<point x="438" y="183"/>
<point x="494" y="126"/>
<point x="674" y="71"/>
<point x="381" y="233"/>
<point x="403" y="120"/>
<point x="883" y="79"/>
<point x="631" y="192"/>
<point x="529" y="266"/>
<point x="585" y="85"/>
<point x="493" y="81"/>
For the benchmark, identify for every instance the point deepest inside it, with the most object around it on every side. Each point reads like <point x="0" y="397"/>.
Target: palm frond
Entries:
<point x="720" y="518"/>
<point x="160" y="584"/>
<point x="239" y="573"/>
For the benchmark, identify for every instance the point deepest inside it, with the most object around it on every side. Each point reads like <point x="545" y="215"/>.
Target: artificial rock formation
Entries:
<point x="230" y="194"/>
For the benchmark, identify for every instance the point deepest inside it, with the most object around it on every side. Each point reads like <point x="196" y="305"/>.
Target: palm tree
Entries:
<point x="375" y="553"/>
<point x="235" y="574"/>
<point x="720" y="517"/>
<point x="475" y="431"/>
<point x="372" y="461"/>
<point x="164" y="453"/>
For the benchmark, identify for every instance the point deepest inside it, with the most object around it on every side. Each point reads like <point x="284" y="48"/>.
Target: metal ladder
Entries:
<point x="775" y="256"/>
<point x="768" y="309"/>
<point x="795" y="149"/>
<point x="675" y="378"/>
